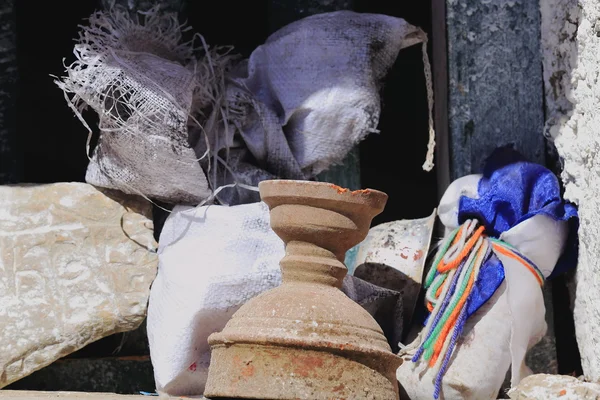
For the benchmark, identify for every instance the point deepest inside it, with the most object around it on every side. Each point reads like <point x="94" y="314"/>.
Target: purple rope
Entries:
<point x="460" y="324"/>
<point x="441" y="312"/>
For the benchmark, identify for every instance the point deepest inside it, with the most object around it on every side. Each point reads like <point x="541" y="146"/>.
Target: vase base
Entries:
<point x="253" y="371"/>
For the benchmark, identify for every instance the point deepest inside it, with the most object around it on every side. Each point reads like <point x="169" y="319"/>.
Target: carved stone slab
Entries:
<point x="76" y="265"/>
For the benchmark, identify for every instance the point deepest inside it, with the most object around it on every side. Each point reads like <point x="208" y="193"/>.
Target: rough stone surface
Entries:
<point x="543" y="387"/>
<point x="559" y="20"/>
<point x="496" y="98"/>
<point x="571" y="53"/>
<point x="495" y="81"/>
<point x="75" y="265"/>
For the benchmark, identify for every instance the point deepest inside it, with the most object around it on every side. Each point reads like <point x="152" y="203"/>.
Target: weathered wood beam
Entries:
<point x="495" y="81"/>
<point x="496" y="98"/>
<point x="9" y="156"/>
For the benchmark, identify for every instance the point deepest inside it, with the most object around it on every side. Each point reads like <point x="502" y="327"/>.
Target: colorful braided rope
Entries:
<point x="449" y="285"/>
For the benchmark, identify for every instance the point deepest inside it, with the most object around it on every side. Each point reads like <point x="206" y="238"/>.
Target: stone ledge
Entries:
<point x="564" y="387"/>
<point x="31" y="395"/>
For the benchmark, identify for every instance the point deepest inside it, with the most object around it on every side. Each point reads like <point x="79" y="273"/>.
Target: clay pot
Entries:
<point x="306" y="339"/>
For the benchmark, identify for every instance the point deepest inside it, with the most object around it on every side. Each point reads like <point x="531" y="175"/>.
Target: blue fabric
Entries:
<point x="490" y="277"/>
<point x="511" y="191"/>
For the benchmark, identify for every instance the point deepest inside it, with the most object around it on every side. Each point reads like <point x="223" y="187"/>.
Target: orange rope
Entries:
<point x="458" y="260"/>
<point x="438" y="292"/>
<point x="464" y="253"/>
<point x="513" y="256"/>
<point x="452" y="319"/>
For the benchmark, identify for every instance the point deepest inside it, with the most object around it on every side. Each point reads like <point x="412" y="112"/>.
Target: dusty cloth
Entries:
<point x="146" y="85"/>
<point x="212" y="259"/>
<point x="306" y="97"/>
<point x="294" y="108"/>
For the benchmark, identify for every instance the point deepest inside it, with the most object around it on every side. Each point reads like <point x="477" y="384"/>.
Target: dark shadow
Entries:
<point x="567" y="350"/>
<point x="391" y="161"/>
<point x="107" y="375"/>
<point x="390" y="278"/>
<point x="51" y="139"/>
<point x="238" y="23"/>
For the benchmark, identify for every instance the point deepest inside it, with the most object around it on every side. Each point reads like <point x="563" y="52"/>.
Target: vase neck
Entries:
<point x="307" y="262"/>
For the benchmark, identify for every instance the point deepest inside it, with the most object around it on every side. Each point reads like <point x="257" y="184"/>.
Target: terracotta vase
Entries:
<point x="306" y="339"/>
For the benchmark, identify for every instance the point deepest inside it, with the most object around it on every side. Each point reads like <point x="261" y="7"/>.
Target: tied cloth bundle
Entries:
<point x="507" y="230"/>
<point x="449" y="285"/>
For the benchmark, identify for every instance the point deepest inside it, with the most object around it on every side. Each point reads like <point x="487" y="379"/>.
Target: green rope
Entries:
<point x="440" y="255"/>
<point x="449" y="309"/>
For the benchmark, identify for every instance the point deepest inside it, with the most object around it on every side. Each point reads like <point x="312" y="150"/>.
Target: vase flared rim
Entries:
<point x="322" y="191"/>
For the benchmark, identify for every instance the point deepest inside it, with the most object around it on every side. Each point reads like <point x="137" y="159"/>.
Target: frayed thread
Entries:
<point x="148" y="84"/>
<point x="428" y="165"/>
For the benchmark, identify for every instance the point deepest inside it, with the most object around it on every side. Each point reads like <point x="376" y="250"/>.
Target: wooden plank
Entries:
<point x="496" y="98"/>
<point x="495" y="81"/>
<point x="9" y="158"/>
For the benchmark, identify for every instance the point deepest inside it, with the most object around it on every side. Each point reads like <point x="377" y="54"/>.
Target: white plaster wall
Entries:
<point x="571" y="59"/>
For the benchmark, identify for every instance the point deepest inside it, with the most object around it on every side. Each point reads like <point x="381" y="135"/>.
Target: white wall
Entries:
<point x="571" y="59"/>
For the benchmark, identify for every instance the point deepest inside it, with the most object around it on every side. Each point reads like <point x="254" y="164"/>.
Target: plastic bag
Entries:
<point x="211" y="261"/>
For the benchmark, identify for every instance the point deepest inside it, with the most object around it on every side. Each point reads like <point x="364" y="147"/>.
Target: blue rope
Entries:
<point x="440" y="313"/>
<point x="460" y="324"/>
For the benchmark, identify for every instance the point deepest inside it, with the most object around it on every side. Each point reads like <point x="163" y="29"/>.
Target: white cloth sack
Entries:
<point x="306" y="97"/>
<point x="212" y="259"/>
<point x="507" y="325"/>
